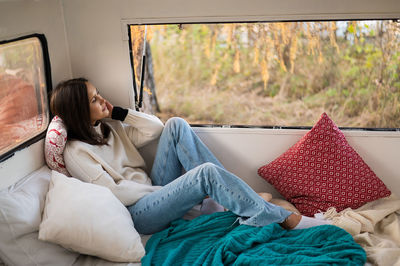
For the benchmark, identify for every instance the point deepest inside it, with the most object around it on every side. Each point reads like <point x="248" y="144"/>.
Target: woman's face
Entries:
<point x="97" y="104"/>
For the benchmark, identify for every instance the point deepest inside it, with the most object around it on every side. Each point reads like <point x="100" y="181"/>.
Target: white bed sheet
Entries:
<point x="84" y="260"/>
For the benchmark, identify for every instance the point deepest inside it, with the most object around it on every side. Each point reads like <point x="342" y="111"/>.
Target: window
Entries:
<point x="23" y="91"/>
<point x="274" y="74"/>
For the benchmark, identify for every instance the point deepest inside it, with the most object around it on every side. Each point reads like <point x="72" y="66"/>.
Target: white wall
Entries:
<point x="99" y="52"/>
<point x="18" y="18"/>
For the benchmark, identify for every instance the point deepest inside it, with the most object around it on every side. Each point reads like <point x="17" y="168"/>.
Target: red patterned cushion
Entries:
<point x="54" y="145"/>
<point x="322" y="170"/>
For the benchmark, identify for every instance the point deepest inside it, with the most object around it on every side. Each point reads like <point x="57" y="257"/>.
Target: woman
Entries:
<point x="102" y="149"/>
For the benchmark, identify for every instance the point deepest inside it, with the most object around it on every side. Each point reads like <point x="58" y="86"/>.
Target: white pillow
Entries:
<point x="89" y="219"/>
<point x="21" y="207"/>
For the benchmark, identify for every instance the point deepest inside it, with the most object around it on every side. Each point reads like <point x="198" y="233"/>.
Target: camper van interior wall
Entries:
<point x="207" y="150"/>
<point x="322" y="170"/>
<point x="89" y="219"/>
<point x="54" y="144"/>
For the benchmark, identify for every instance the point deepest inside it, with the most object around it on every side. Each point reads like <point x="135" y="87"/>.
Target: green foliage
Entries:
<point x="357" y="81"/>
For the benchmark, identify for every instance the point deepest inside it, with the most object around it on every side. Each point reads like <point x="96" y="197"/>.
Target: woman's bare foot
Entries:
<point x="291" y="221"/>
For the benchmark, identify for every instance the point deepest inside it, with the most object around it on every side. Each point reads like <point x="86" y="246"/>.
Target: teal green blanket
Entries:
<point x="218" y="239"/>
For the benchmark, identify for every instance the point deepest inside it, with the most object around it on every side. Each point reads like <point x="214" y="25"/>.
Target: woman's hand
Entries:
<point x="109" y="108"/>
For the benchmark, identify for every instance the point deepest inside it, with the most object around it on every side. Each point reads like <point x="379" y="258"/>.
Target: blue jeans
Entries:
<point x="180" y="149"/>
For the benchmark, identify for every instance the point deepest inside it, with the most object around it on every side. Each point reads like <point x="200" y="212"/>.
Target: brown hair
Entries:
<point x="69" y="100"/>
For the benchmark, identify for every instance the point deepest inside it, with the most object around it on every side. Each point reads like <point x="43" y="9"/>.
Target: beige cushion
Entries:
<point x="89" y="219"/>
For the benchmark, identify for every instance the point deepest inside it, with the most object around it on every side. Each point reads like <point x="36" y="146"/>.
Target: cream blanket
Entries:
<point x="375" y="226"/>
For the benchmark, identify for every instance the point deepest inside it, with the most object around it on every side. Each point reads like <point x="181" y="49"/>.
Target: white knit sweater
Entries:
<point x="118" y="165"/>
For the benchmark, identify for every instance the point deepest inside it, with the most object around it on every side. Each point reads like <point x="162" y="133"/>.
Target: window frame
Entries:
<point x="171" y="21"/>
<point x="47" y="73"/>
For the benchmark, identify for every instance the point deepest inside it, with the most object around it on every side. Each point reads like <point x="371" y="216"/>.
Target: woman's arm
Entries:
<point x="141" y="128"/>
<point x="82" y="166"/>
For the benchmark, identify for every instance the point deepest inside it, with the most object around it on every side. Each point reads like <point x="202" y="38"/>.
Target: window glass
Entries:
<point x="266" y="74"/>
<point x="23" y="92"/>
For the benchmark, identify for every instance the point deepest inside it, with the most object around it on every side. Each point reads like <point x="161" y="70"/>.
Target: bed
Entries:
<point x="20" y="245"/>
